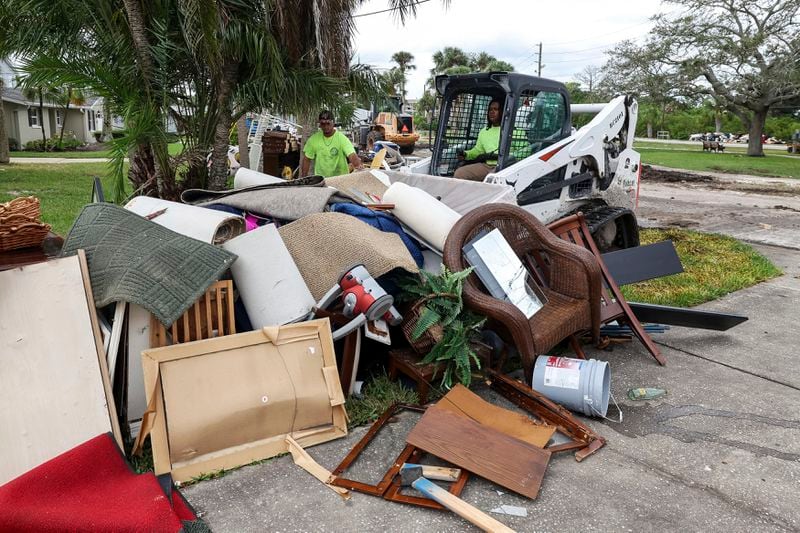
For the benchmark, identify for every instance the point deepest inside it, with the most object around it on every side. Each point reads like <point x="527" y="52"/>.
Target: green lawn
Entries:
<point x="733" y="160"/>
<point x="62" y="189"/>
<point x="174" y="149"/>
<point x="714" y="265"/>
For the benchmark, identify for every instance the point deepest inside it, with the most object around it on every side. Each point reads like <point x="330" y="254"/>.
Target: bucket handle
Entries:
<point x="591" y="406"/>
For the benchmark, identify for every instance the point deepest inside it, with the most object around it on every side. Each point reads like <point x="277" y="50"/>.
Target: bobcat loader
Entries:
<point x="554" y="169"/>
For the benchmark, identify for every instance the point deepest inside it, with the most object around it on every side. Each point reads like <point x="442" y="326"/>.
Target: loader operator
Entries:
<point x="329" y="149"/>
<point x="481" y="159"/>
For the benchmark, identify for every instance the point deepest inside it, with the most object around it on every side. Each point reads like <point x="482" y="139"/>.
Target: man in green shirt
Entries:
<point x="487" y="145"/>
<point x="329" y="149"/>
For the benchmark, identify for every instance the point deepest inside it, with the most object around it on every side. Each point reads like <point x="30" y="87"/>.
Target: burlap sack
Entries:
<point x="324" y="245"/>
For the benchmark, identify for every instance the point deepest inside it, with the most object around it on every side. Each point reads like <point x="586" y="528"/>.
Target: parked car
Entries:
<point x="696" y="137"/>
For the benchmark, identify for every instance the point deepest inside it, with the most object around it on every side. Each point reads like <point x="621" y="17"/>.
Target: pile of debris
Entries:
<point x="210" y="326"/>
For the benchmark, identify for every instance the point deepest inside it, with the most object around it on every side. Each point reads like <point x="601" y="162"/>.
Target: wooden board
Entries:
<point x="509" y="462"/>
<point x="54" y="387"/>
<point x="461" y="401"/>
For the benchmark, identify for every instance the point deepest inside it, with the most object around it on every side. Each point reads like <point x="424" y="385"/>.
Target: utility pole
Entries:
<point x="540" y="60"/>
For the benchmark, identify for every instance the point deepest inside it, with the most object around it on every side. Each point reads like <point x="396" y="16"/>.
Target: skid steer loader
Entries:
<point x="554" y="169"/>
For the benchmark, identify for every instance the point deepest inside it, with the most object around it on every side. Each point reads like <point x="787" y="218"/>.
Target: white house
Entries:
<point x="24" y="121"/>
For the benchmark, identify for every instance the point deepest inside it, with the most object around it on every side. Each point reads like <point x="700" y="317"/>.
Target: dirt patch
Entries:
<point x="673" y="176"/>
<point x="710" y="182"/>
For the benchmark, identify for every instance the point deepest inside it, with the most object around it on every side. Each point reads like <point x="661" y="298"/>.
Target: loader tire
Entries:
<point x="625" y="232"/>
<point x="373" y="137"/>
<point x="407" y="150"/>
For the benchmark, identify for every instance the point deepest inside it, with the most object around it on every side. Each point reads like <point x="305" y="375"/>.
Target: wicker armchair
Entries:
<point x="568" y="275"/>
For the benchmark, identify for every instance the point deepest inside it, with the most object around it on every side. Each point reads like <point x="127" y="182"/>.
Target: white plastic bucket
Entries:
<point x="581" y="386"/>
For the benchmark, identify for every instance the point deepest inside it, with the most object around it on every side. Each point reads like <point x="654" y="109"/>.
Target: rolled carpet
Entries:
<point x="325" y="245"/>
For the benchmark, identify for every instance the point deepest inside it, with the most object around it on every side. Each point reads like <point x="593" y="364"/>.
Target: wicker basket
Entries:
<point x="427" y="340"/>
<point x="20" y="231"/>
<point x="24" y="205"/>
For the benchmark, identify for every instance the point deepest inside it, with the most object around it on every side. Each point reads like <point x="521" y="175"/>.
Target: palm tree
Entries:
<point x="405" y="61"/>
<point x="200" y="63"/>
<point x="65" y="97"/>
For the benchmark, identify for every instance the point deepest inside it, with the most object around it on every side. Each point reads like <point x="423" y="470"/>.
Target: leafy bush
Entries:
<point x="38" y="145"/>
<point x="13" y="144"/>
<point x="69" y="144"/>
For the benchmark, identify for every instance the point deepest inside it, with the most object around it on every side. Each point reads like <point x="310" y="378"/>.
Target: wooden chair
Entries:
<point x="210" y="316"/>
<point x="568" y="274"/>
<point x="573" y="229"/>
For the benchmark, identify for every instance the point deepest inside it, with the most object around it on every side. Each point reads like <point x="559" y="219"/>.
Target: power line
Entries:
<point x="601" y="35"/>
<point x="387" y="10"/>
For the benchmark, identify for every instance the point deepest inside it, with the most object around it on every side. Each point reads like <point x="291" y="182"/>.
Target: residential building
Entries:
<point x="24" y="121"/>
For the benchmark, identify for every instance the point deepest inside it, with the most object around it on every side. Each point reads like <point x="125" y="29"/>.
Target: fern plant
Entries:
<point x="441" y="312"/>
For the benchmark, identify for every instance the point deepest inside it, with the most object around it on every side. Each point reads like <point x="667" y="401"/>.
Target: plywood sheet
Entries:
<point x="509" y="462"/>
<point x="460" y="400"/>
<point x="54" y="386"/>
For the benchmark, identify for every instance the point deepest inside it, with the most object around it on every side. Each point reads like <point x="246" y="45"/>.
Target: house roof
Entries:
<point x="15" y="95"/>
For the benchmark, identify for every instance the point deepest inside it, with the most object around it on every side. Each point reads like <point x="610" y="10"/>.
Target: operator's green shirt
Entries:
<point x="488" y="142"/>
<point x="329" y="153"/>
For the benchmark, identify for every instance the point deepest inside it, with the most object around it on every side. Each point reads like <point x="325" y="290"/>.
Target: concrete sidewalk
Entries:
<point x="58" y="160"/>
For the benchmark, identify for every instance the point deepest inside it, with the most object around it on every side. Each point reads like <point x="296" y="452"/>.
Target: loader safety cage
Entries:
<point x="535" y="114"/>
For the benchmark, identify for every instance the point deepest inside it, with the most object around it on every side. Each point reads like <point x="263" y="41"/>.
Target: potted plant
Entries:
<point x="438" y="325"/>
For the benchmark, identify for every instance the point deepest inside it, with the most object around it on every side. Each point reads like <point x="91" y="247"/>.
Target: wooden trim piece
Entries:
<point x="101" y="354"/>
<point x="581" y="436"/>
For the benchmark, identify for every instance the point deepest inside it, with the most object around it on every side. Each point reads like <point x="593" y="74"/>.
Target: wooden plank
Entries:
<point x="55" y="391"/>
<point x="220" y="322"/>
<point x="504" y="460"/>
<point x="209" y="318"/>
<point x="461" y="401"/>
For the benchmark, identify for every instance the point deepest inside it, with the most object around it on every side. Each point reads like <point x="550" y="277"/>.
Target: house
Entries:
<point x="24" y="120"/>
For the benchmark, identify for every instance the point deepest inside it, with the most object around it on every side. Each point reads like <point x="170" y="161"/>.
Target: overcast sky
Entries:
<point x="574" y="33"/>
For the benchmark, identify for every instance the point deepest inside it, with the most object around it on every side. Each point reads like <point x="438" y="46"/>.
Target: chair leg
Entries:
<point x="643" y="336"/>
<point x="575" y="344"/>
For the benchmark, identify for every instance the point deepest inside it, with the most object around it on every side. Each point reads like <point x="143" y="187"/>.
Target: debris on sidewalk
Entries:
<point x="236" y="323"/>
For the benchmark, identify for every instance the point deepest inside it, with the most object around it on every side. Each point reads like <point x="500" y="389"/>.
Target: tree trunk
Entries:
<point x="41" y="118"/>
<point x="241" y="135"/>
<point x="142" y="171"/>
<point x="649" y="130"/>
<point x="4" y="156"/>
<point x="107" y="131"/>
<point x="718" y="121"/>
<point x="754" y="147"/>
<point x="218" y="175"/>
<point x="63" y="122"/>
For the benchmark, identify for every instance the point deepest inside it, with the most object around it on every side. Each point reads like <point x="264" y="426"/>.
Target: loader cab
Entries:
<point x="535" y="114"/>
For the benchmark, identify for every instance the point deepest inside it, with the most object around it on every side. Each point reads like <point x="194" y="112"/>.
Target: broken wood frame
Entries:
<point x="386" y="486"/>
<point x="210" y="316"/>
<point x="613" y="306"/>
<point x="249" y="401"/>
<point x="582" y="438"/>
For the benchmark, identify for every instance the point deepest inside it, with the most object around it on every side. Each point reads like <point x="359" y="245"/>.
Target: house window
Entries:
<point x="33" y="118"/>
<point x="90" y="120"/>
<point x="59" y="118"/>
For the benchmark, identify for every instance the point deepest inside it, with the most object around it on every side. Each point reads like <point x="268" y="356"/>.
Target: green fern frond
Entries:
<point x="427" y="318"/>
